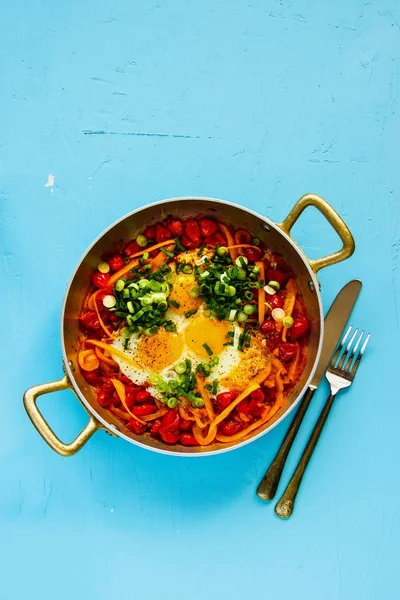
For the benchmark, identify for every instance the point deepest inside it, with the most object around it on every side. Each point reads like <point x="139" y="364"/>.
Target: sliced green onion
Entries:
<point x="213" y="362"/>
<point x="242" y="317"/>
<point x="162" y="306"/>
<point x="200" y="250"/>
<point x="174" y="303"/>
<point x="198" y="402"/>
<point x="208" y="349"/>
<point x="103" y="266"/>
<point x="247" y="339"/>
<point x="187" y="269"/>
<point x="180" y="368"/>
<point x="155" y="379"/>
<point x="249" y="309"/>
<point x="162" y="386"/>
<point x="125" y="332"/>
<point x="155" y="286"/>
<point x="172" y="402"/>
<point x="256" y="241"/>
<point x="241" y="261"/>
<point x="195" y="292"/>
<point x="231" y="290"/>
<point x="214" y="387"/>
<point x="119" y="285"/>
<point x="222" y="251"/>
<point x="170" y="278"/>
<point x="270" y="290"/>
<point x="278" y="314"/>
<point x="274" y="284"/>
<point x="146" y="256"/>
<point x="170" y="328"/>
<point x="109" y="301"/>
<point x="146" y="300"/>
<point x="205" y="274"/>
<point x="141" y="240"/>
<point x="256" y="269"/>
<point x="208" y="387"/>
<point x="143" y="283"/>
<point x="125" y="292"/>
<point x="248" y="295"/>
<point x="190" y="313"/>
<point x="287" y="322"/>
<point x="167" y="252"/>
<point x="241" y="275"/>
<point x="232" y="314"/>
<point x="137" y="316"/>
<point x="151" y="330"/>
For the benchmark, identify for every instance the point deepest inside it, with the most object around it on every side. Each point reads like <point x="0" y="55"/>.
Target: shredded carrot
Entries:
<point x="101" y="356"/>
<point x="230" y="241"/>
<point x="205" y="396"/>
<point x="88" y="360"/>
<point x="184" y="414"/>
<point x="292" y="373"/>
<point x="122" y="414"/>
<point x="242" y="236"/>
<point x="92" y="301"/>
<point x="158" y="260"/>
<point x="102" y="325"/>
<point x="203" y="440"/>
<point x="261" y="293"/>
<point x="112" y="351"/>
<point x="241" y="434"/>
<point x="133" y="263"/>
<point x="243" y="246"/>
<point x="160" y="413"/>
<point x="120" y="389"/>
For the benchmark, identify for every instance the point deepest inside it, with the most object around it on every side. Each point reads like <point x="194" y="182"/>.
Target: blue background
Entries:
<point x="256" y="102"/>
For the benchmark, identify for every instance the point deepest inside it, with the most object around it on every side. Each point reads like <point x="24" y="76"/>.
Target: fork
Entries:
<point x="340" y="374"/>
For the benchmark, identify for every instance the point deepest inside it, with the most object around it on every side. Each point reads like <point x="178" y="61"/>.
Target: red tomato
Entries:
<point x="299" y="327"/>
<point x="143" y="409"/>
<point x="142" y="396"/>
<point x="298" y="309"/>
<point x="208" y="227"/>
<point x="162" y="233"/>
<point x="224" y="399"/>
<point x="230" y="427"/>
<point x="150" y="233"/>
<point x="257" y="395"/>
<point x="251" y="408"/>
<point x="276" y="301"/>
<point x="188" y="439"/>
<point x="100" y="280"/>
<point x="136" y="427"/>
<point x="192" y="234"/>
<point x="275" y="275"/>
<point x="287" y="351"/>
<point x="175" y="227"/>
<point x="169" y="437"/>
<point x="214" y="239"/>
<point x="267" y="326"/>
<point x="242" y="237"/>
<point x="156" y="427"/>
<point x="130" y="396"/>
<point x="92" y="377"/>
<point x="185" y="425"/>
<point x="190" y="242"/>
<point x="252" y="254"/>
<point x="132" y="248"/>
<point x="90" y="320"/>
<point x="116" y="262"/>
<point x="104" y="397"/>
<point x="170" y="420"/>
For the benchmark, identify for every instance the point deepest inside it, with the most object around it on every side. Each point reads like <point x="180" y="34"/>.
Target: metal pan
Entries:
<point x="275" y="235"/>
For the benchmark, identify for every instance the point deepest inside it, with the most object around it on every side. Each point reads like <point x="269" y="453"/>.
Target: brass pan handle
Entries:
<point x="333" y="218"/>
<point x="30" y="398"/>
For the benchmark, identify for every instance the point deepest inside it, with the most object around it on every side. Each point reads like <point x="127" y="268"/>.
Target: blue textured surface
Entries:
<point x="130" y="102"/>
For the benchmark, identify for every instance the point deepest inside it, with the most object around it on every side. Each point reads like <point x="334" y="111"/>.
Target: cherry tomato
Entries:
<point x="170" y="420"/>
<point x="92" y="377"/>
<point x="251" y="408"/>
<point x="230" y="427"/>
<point x="275" y="275"/>
<point x="242" y="237"/>
<point x="104" y="397"/>
<point x="257" y="395"/>
<point x="143" y="409"/>
<point x="190" y="242"/>
<point x="224" y="399"/>
<point x="116" y="262"/>
<point x="156" y="427"/>
<point x="252" y="254"/>
<point x="100" y="280"/>
<point x="136" y="427"/>
<point x="300" y="326"/>
<point x="287" y="351"/>
<point x="188" y="439"/>
<point x="169" y="437"/>
<point x="90" y="320"/>
<point x="192" y="235"/>
<point x="276" y="301"/>
<point x="150" y="233"/>
<point x="298" y="309"/>
<point x="175" y="227"/>
<point x="273" y="339"/>
<point x="214" y="239"/>
<point x="207" y="227"/>
<point x="132" y="248"/>
<point x="162" y="233"/>
<point x="184" y="425"/>
<point x="267" y="326"/>
<point x="130" y="396"/>
<point x="142" y="396"/>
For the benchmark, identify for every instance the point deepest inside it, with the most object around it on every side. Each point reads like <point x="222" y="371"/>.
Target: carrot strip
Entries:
<point x="133" y="263"/>
<point x="229" y="239"/>
<point x="92" y="301"/>
<point x="160" y="413"/>
<point x="205" y="396"/>
<point x="242" y="236"/>
<point x="200" y="438"/>
<point x="88" y="360"/>
<point x="158" y="260"/>
<point x="244" y="246"/>
<point x="225" y="439"/>
<point x="184" y="414"/>
<point x="261" y="293"/>
<point x="121" y="414"/>
<point x="102" y="325"/>
<point x="101" y="356"/>
<point x="112" y="350"/>
<point x="120" y="389"/>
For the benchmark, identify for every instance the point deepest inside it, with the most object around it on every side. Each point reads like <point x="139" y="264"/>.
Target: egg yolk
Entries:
<point x="181" y="293"/>
<point x="203" y="330"/>
<point x="160" y="350"/>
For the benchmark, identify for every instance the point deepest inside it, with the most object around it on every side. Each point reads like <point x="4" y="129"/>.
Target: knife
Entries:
<point x="335" y="322"/>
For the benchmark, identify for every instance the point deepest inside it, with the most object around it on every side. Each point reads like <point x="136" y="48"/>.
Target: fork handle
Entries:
<point x="269" y="483"/>
<point x="285" y="504"/>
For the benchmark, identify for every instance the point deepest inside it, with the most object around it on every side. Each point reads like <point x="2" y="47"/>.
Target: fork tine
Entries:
<point x="340" y="347"/>
<point x="353" y="353"/>
<point x="360" y="355"/>
<point x="346" y="352"/>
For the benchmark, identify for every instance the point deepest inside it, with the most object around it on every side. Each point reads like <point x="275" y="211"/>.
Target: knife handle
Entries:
<point x="269" y="483"/>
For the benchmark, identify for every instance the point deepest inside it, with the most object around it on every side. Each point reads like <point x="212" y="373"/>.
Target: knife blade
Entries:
<point x="334" y="324"/>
